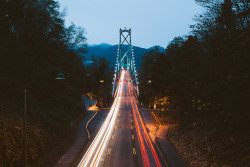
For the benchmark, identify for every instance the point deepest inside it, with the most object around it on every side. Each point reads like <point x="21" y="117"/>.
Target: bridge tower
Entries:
<point x="125" y="58"/>
<point x="125" y="50"/>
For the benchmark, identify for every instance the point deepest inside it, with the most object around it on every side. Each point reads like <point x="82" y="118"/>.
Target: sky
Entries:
<point x="153" y="22"/>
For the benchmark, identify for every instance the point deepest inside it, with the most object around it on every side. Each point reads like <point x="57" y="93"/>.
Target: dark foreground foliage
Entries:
<point x="206" y="77"/>
<point x="35" y="41"/>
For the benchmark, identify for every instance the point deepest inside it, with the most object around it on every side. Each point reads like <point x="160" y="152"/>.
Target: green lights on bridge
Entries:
<point x="125" y="59"/>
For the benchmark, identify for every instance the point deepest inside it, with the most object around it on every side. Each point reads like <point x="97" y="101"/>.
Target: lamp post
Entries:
<point x="90" y="86"/>
<point x="101" y="93"/>
<point x="151" y="93"/>
<point x="60" y="76"/>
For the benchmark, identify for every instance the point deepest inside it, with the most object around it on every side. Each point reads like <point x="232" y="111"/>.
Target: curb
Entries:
<point x="88" y="124"/>
<point x="81" y="153"/>
<point x="156" y="143"/>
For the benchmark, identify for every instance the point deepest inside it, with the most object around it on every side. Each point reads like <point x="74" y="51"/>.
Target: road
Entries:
<point x="123" y="139"/>
<point x="121" y="150"/>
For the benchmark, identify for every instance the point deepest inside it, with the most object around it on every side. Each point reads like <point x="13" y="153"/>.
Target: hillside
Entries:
<point x="110" y="52"/>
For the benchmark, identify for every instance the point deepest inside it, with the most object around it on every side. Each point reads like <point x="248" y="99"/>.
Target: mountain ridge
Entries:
<point x="110" y="52"/>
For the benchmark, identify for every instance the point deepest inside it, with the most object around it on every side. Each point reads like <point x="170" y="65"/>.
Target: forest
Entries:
<point x="35" y="45"/>
<point x="202" y="80"/>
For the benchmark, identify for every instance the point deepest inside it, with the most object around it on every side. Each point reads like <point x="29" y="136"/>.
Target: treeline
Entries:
<point x="206" y="75"/>
<point x="34" y="42"/>
<point x="99" y="80"/>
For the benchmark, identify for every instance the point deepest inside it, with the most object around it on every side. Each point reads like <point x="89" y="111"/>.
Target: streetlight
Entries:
<point x="91" y="93"/>
<point x="59" y="76"/>
<point x="150" y="94"/>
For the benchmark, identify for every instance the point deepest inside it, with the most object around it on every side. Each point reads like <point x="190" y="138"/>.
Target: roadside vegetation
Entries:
<point x="35" y="41"/>
<point x="201" y="83"/>
<point x="99" y="80"/>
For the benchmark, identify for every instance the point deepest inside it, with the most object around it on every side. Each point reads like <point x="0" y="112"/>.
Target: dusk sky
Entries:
<point x="153" y="22"/>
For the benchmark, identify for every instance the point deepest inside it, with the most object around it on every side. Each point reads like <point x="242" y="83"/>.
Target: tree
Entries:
<point x="75" y="37"/>
<point x="33" y="39"/>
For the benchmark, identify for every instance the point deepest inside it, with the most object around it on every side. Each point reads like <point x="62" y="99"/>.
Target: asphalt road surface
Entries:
<point x="123" y="139"/>
<point x="121" y="150"/>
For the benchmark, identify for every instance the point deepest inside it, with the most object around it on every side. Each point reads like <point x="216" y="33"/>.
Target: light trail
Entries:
<point x="144" y="154"/>
<point x="93" y="154"/>
<point x="142" y="134"/>
<point x="95" y="151"/>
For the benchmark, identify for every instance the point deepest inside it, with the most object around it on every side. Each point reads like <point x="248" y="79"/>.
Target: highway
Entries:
<point x="123" y="139"/>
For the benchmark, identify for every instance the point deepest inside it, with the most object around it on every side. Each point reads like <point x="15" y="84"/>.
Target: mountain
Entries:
<point x="102" y="45"/>
<point x="161" y="49"/>
<point x="110" y="52"/>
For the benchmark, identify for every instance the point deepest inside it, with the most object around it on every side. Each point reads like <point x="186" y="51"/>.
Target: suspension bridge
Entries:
<point x="123" y="139"/>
